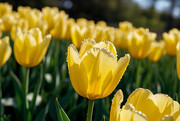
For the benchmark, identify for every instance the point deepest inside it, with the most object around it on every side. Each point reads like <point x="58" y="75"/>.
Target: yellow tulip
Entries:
<point x="7" y="22"/>
<point x="126" y="26"/>
<point x="30" y="47"/>
<point x="139" y="43"/>
<point x="127" y="113"/>
<point x="156" y="51"/>
<point x="178" y="59"/>
<point x="171" y="40"/>
<point x="142" y="105"/>
<point x="70" y="24"/>
<point x="49" y="16"/>
<point x="101" y="23"/>
<point x="5" y="50"/>
<point x="34" y="18"/>
<point x="95" y="71"/>
<point x="78" y="34"/>
<point x="120" y="39"/>
<point x="59" y="29"/>
<point x="100" y="34"/>
<point x="5" y="8"/>
<point x="14" y="32"/>
<point x="23" y="11"/>
<point x="23" y="24"/>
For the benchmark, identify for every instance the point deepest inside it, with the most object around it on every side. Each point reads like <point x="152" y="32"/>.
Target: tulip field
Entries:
<point x="57" y="68"/>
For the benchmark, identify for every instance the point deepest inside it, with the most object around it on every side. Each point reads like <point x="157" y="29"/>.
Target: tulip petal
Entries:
<point x="117" y="73"/>
<point x="86" y="45"/>
<point x="115" y="107"/>
<point x="98" y="63"/>
<point x="77" y="71"/>
<point x="142" y="98"/>
<point x="164" y="103"/>
<point x="108" y="45"/>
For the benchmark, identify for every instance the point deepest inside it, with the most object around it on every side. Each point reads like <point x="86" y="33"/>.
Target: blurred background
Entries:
<point x="157" y="15"/>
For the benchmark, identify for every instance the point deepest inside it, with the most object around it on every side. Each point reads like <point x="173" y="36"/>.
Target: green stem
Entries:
<point x="57" y="83"/>
<point x="0" y="94"/>
<point x="37" y="89"/>
<point x="26" y="84"/>
<point x="138" y="73"/>
<point x="90" y="110"/>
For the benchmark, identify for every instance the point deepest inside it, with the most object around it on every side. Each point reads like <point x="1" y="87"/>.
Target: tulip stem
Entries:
<point x="138" y="73"/>
<point x="26" y="83"/>
<point x="90" y="110"/>
<point x="37" y="89"/>
<point x="57" y="50"/>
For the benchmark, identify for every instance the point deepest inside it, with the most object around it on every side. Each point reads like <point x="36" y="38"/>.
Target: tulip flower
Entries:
<point x="60" y="27"/>
<point x="101" y="23"/>
<point x="30" y="47"/>
<point x="139" y="43"/>
<point x="7" y="22"/>
<point x="5" y="8"/>
<point x="95" y="71"/>
<point x="70" y="24"/>
<point x="120" y="39"/>
<point x="142" y="105"/>
<point x="171" y="40"/>
<point x="78" y="34"/>
<point x="156" y="51"/>
<point x="5" y="50"/>
<point x="23" y="11"/>
<point x="126" y="26"/>
<point x="178" y="59"/>
<point x="49" y="16"/>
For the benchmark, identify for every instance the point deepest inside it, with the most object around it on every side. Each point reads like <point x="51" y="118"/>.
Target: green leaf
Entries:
<point x="42" y="115"/>
<point x="62" y="116"/>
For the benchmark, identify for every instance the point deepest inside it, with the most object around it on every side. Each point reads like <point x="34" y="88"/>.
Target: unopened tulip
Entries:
<point x="7" y="22"/>
<point x="156" y="51"/>
<point x="139" y="43"/>
<point x="49" y="16"/>
<point x="30" y="47"/>
<point x="70" y="24"/>
<point x="78" y="34"/>
<point x="171" y="40"/>
<point x="95" y="71"/>
<point x="5" y="50"/>
<point x="60" y="27"/>
<point x="5" y="8"/>
<point x="142" y="105"/>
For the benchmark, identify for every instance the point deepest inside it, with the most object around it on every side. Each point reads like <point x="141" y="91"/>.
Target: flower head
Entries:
<point x="95" y="71"/>
<point x="30" y="47"/>
<point x="142" y="105"/>
<point x="5" y="50"/>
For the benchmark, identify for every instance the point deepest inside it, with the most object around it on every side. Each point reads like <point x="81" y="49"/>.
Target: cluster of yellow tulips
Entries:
<point x="94" y="70"/>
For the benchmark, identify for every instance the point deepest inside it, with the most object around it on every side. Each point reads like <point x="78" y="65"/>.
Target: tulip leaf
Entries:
<point x="103" y="118"/>
<point x="62" y="116"/>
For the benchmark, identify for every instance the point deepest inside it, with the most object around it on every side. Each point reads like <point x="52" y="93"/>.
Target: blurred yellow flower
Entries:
<point x="95" y="71"/>
<point x="5" y="8"/>
<point x="23" y="11"/>
<point x="156" y="51"/>
<point x="7" y="22"/>
<point x="178" y="59"/>
<point x="101" y="23"/>
<point x="171" y="40"/>
<point x="49" y="16"/>
<point x="78" y="34"/>
<point x="126" y="26"/>
<point x="139" y="43"/>
<point x="70" y="23"/>
<point x="5" y="50"/>
<point x="120" y="39"/>
<point x="60" y="27"/>
<point x="142" y="105"/>
<point x="30" y="47"/>
<point x="14" y="32"/>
